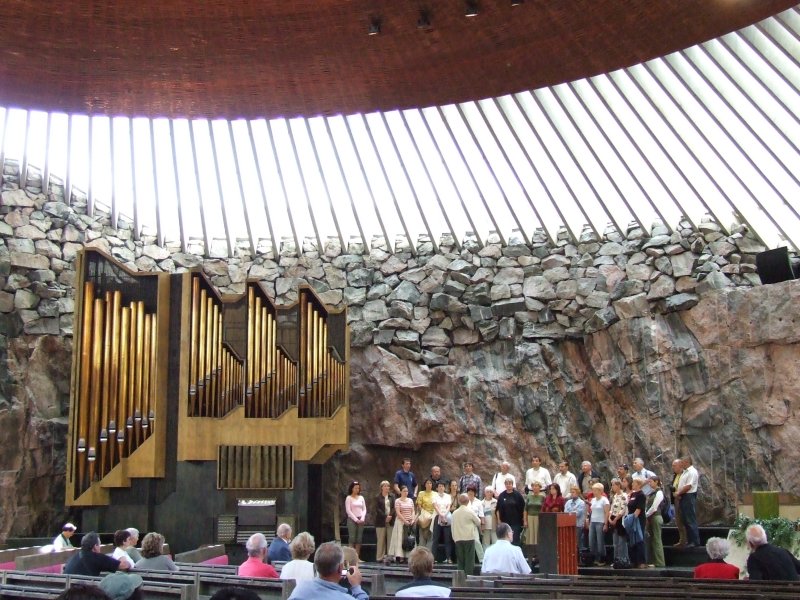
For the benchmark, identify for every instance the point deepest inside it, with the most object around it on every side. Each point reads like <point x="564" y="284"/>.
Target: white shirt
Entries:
<point x="299" y="570"/>
<point x="476" y="506"/>
<point x="121" y="555"/>
<point x="689" y="477"/>
<point x="541" y="475"/>
<point x="659" y="498"/>
<point x="499" y="483"/>
<point x="565" y="482"/>
<point x="442" y="504"/>
<point x="61" y="543"/>
<point x="504" y="557"/>
<point x="598" y="510"/>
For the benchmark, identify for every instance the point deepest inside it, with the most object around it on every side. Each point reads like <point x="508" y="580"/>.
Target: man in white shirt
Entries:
<point x="687" y="495"/>
<point x="503" y="556"/>
<point x="499" y="480"/>
<point x="537" y="473"/>
<point x="564" y="478"/>
<point x="639" y="472"/>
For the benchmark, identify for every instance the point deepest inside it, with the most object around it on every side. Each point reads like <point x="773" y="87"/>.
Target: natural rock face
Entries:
<point x="589" y="348"/>
<point x="717" y="381"/>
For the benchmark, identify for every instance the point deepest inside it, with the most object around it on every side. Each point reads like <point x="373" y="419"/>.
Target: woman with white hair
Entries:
<point x="716" y="568"/>
<point x="488" y="534"/>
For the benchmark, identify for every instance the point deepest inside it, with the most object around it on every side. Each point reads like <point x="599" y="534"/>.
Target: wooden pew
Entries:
<point x="204" y="554"/>
<point x="9" y="555"/>
<point x="155" y="589"/>
<point x="22" y="592"/>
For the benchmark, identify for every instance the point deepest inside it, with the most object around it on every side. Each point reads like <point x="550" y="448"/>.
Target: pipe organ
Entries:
<point x="176" y="387"/>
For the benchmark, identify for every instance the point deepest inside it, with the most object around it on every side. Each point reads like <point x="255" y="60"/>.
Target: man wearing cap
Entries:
<point x="90" y="561"/>
<point x="61" y="542"/>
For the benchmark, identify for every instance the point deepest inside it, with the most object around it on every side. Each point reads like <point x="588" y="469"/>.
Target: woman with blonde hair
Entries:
<point x="299" y="568"/>
<point x="598" y="523"/>
<point x="152" y="557"/>
<point x="425" y="513"/>
<point x="384" y="520"/>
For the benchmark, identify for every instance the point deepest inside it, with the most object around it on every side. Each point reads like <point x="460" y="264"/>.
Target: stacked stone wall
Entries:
<point x="450" y="308"/>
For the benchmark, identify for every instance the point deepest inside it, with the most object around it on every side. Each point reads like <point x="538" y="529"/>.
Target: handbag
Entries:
<point x="409" y="541"/>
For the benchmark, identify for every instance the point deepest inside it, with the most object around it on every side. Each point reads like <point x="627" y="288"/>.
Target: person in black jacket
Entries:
<point x="384" y="520"/>
<point x="90" y="561"/>
<point x="767" y="562"/>
<point x="585" y="476"/>
<point x="511" y="509"/>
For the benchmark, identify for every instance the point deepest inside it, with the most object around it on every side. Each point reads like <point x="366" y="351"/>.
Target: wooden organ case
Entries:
<point x="184" y="402"/>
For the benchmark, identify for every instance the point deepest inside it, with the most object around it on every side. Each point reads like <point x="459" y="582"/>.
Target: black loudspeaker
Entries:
<point x="774" y="266"/>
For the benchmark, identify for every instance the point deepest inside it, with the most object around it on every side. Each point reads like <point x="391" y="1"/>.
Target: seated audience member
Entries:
<point x="420" y="563"/>
<point x="716" y="568"/>
<point x="235" y="593"/>
<point x="121" y="538"/>
<point x="329" y="563"/>
<point x="152" y="557"/>
<point x="767" y="562"/>
<point x="299" y="568"/>
<point x="255" y="566"/>
<point x="90" y="561"/>
<point x="62" y="541"/>
<point x="123" y="586"/>
<point x="503" y="556"/>
<point x="83" y="591"/>
<point x="279" y="548"/>
<point x="131" y="548"/>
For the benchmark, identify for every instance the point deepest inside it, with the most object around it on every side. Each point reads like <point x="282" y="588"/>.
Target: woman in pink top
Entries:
<point x="356" y="509"/>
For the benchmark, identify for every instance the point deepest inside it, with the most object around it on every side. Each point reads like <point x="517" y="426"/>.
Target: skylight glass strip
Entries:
<point x="295" y="125"/>
<point x="239" y="175"/>
<point x="23" y="168"/>
<point x="58" y="141"/>
<point x="649" y="198"/>
<point x="287" y="173"/>
<point x="699" y="125"/>
<point x="221" y="155"/>
<point x="36" y="145"/>
<point x="413" y="174"/>
<point x="251" y="189"/>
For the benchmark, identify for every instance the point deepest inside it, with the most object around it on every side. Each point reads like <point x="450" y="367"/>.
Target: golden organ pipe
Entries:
<point x="258" y="396"/>
<point x="153" y="371"/>
<point x="116" y="308"/>
<point x="201" y="357"/>
<point x="251" y="331"/>
<point x="130" y="405"/>
<point x="148" y="323"/>
<point x="96" y="390"/>
<point x="124" y="377"/>
<point x="193" y="344"/>
<point x="85" y="381"/>
<point x="137" y="411"/>
<point x="105" y="396"/>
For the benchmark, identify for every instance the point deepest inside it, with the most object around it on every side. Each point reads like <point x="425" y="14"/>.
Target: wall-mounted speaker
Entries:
<point x="774" y="266"/>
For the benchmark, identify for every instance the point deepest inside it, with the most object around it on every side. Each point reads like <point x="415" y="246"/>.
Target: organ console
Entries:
<point x="176" y="384"/>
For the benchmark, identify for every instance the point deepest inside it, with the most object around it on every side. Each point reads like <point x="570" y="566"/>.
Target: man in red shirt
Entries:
<point x="255" y="566"/>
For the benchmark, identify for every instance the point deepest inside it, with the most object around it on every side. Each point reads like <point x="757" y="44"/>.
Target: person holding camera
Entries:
<point x="329" y="563"/>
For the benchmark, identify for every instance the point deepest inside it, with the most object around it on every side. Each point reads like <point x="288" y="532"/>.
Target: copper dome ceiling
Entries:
<point x="250" y="58"/>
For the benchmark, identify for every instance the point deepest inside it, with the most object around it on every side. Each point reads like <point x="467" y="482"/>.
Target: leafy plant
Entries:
<point x="781" y="531"/>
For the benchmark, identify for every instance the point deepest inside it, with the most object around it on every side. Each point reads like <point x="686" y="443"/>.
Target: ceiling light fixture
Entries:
<point x="374" y="26"/>
<point x="516" y="2"/>
<point x="472" y="8"/>
<point x="424" y="21"/>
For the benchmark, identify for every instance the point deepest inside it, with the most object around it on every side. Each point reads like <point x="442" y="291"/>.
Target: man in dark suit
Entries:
<point x="767" y="562"/>
<point x="279" y="548"/>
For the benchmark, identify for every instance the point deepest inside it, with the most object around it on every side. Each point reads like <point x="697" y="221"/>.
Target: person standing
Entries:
<point x="576" y="505"/>
<point x="598" y="523"/>
<point x="356" y="508"/>
<point x="465" y="521"/>
<point x="384" y="520"/>
<point x="677" y="473"/>
<point x="404" y="476"/>
<point x="687" y="494"/>
<point x="617" y="511"/>
<point x="441" y="524"/>
<point x="489" y="536"/>
<point x="534" y="500"/>
<point x="537" y="473"/>
<point x="469" y="478"/>
<point x="655" y="522"/>
<point x="405" y="517"/>
<point x="425" y="513"/>
<point x="476" y="505"/>
<point x="636" y="508"/>
<point x="499" y="479"/>
<point x="62" y="540"/>
<point x="585" y="477"/>
<point x="436" y="476"/>
<point x="511" y="509"/>
<point x="564" y="478"/>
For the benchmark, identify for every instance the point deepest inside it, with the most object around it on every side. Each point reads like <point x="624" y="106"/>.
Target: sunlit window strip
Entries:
<point x="711" y="129"/>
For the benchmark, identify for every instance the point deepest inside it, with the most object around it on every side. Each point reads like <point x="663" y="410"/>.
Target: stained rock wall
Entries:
<point x="648" y="343"/>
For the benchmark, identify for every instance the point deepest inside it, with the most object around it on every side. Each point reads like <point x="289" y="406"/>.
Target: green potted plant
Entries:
<point x="781" y="531"/>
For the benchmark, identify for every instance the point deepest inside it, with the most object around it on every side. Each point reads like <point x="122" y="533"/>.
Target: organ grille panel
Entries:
<point x="216" y="370"/>
<point x="255" y="467"/>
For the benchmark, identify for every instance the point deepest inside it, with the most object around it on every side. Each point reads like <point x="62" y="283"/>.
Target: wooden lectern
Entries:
<point x="558" y="545"/>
